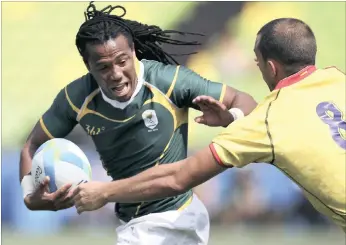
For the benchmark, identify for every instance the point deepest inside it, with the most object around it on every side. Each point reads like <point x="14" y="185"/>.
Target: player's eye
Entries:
<point x="102" y="68"/>
<point x="122" y="62"/>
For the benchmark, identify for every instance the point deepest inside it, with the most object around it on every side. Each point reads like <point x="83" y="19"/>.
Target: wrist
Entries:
<point x="107" y="191"/>
<point x="228" y="120"/>
<point x="234" y="114"/>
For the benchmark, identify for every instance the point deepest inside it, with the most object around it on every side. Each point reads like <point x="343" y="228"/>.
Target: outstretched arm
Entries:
<point x="155" y="183"/>
<point x="165" y="180"/>
<point x="238" y="145"/>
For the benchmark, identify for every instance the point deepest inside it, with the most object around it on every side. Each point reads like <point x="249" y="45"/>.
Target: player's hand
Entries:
<point x="40" y="199"/>
<point x="214" y="112"/>
<point x="89" y="196"/>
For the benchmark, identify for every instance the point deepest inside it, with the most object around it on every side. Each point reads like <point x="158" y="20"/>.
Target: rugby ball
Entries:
<point x="63" y="161"/>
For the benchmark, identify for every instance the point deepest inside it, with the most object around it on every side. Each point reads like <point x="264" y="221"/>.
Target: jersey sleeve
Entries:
<point x="244" y="141"/>
<point x="60" y="118"/>
<point x="187" y="85"/>
<point x="181" y="85"/>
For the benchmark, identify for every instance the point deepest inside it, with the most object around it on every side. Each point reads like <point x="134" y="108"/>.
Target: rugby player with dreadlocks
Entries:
<point x="134" y="103"/>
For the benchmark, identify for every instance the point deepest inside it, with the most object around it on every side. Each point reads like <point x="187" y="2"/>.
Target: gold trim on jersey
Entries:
<point x="75" y="108"/>
<point x="180" y="117"/>
<point x="170" y="90"/>
<point x="187" y="203"/>
<point x="179" y="114"/>
<point x="223" y="93"/>
<point x="85" y="110"/>
<point x="44" y="128"/>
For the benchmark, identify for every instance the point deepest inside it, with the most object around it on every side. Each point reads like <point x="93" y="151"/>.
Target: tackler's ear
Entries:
<point x="272" y="68"/>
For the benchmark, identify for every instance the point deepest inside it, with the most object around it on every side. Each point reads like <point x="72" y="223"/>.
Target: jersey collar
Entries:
<point x="296" y="77"/>
<point x="139" y="66"/>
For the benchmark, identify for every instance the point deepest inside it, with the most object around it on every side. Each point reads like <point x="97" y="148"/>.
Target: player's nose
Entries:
<point x="116" y="74"/>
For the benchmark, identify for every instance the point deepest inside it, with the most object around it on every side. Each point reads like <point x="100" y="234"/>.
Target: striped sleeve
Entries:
<point x="187" y="85"/>
<point x="180" y="84"/>
<point x="59" y="120"/>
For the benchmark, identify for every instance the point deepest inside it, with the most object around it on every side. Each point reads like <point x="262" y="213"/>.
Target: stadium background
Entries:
<point x="255" y="205"/>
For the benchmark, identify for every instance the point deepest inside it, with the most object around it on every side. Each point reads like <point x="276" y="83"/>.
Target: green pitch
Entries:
<point x="219" y="236"/>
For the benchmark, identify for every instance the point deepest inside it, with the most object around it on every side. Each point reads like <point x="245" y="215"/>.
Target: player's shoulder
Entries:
<point x="261" y="110"/>
<point x="334" y="72"/>
<point x="328" y="75"/>
<point x="77" y="90"/>
<point x="159" y="74"/>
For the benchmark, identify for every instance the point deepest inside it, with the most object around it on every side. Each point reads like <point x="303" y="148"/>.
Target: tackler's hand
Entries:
<point x="214" y="112"/>
<point x="89" y="196"/>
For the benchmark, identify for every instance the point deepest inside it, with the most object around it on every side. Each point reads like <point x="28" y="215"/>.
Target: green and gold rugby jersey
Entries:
<point x="150" y="129"/>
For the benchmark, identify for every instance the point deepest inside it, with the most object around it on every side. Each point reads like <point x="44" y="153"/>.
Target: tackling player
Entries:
<point x="136" y="112"/>
<point x="298" y="128"/>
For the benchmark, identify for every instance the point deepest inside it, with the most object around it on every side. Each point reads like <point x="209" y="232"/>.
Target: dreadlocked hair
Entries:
<point x="100" y="26"/>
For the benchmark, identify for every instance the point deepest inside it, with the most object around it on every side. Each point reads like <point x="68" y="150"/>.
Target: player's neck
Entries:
<point x="123" y="104"/>
<point x="294" y="78"/>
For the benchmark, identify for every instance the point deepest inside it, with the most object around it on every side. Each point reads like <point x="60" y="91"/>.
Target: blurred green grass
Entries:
<point x="220" y="235"/>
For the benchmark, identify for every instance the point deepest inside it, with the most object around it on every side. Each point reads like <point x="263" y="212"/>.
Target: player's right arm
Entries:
<point x="56" y="122"/>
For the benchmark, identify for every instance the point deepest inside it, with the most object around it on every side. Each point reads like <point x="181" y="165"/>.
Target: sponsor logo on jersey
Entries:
<point x="93" y="130"/>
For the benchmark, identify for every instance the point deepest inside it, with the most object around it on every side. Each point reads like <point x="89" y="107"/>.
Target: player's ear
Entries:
<point x="272" y="68"/>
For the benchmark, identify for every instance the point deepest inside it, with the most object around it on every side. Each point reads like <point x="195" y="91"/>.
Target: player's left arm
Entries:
<point x="188" y="85"/>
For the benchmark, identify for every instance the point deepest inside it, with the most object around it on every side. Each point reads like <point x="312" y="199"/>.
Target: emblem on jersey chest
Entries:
<point x="150" y="120"/>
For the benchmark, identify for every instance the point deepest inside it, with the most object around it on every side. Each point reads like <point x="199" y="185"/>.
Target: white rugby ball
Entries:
<point x="63" y="161"/>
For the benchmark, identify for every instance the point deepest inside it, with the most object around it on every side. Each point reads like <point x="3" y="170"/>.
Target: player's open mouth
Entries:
<point x="121" y="89"/>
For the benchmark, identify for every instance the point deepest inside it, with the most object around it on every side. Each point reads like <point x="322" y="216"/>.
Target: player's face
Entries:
<point x="112" y="66"/>
<point x="266" y="67"/>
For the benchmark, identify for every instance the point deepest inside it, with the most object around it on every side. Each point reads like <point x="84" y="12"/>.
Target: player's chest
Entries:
<point x="150" y="124"/>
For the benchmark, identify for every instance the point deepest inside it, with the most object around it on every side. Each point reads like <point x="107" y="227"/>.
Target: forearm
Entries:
<point x="237" y="99"/>
<point x="164" y="180"/>
<point x="25" y="160"/>
<point x="152" y="184"/>
<point x="244" y="101"/>
<point x="30" y="201"/>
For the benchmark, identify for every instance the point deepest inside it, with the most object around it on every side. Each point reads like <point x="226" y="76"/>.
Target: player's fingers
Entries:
<point x="62" y="192"/>
<point x="200" y="120"/>
<point x="63" y="205"/>
<point x="76" y="191"/>
<point x="202" y="105"/>
<point x="77" y="198"/>
<point x="44" y="184"/>
<point x="68" y="203"/>
<point x="209" y="103"/>
<point x="200" y="98"/>
<point x="80" y="206"/>
<point x="80" y="210"/>
<point x="215" y="104"/>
